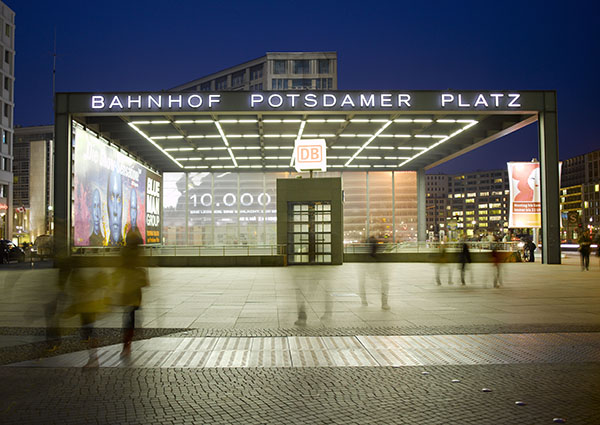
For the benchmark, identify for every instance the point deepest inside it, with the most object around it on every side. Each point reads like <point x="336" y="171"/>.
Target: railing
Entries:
<point x="430" y="247"/>
<point x="190" y="250"/>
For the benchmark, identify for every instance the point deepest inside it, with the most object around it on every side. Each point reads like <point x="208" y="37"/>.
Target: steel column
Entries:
<point x="548" y="150"/>
<point x="421" y="205"/>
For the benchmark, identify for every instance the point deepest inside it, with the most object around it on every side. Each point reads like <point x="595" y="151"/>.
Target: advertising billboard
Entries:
<point x="525" y="202"/>
<point x="112" y="194"/>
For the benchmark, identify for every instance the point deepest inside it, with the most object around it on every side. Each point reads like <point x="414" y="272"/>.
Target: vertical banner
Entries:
<point x="153" y="207"/>
<point x="525" y="202"/>
<point x="110" y="194"/>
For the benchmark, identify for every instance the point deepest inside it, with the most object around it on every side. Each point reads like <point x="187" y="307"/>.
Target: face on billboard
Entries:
<point x="97" y="211"/>
<point x="115" y="207"/>
<point x="109" y="194"/>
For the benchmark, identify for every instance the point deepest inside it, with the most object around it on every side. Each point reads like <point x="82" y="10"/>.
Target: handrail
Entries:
<point x="413" y="246"/>
<point x="190" y="250"/>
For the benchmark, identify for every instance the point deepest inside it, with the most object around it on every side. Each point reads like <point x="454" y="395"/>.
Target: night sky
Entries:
<point x="480" y="45"/>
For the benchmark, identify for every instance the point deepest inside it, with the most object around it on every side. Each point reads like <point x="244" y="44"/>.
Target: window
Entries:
<point x="323" y="66"/>
<point x="278" y="83"/>
<point x="6" y="56"/>
<point x="302" y="66"/>
<point x="237" y="79"/>
<point x="470" y="201"/>
<point x="324" y="83"/>
<point x="301" y="83"/>
<point x="4" y="137"/>
<point x="7" y="30"/>
<point x="6" y="110"/>
<point x="221" y="83"/>
<point x="279" y="67"/>
<point x="497" y="180"/>
<point x="206" y="86"/>
<point x="484" y="193"/>
<point x="256" y="72"/>
<point x="471" y="195"/>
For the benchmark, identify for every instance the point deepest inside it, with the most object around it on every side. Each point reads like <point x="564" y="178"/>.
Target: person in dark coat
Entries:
<point x="585" y="243"/>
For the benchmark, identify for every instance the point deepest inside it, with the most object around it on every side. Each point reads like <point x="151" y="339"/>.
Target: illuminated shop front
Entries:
<point x="206" y="169"/>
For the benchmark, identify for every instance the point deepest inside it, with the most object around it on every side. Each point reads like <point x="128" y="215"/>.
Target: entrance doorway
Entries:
<point x="309" y="232"/>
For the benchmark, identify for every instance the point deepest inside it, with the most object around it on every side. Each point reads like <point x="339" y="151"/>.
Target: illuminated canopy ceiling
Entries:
<point x="253" y="139"/>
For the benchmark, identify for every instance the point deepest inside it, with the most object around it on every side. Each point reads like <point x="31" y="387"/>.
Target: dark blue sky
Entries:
<point x="487" y="45"/>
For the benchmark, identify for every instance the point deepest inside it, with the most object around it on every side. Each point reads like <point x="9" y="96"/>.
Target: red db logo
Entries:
<point x="310" y="154"/>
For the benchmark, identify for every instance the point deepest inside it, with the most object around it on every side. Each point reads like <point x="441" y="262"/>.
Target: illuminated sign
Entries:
<point x="310" y="155"/>
<point x="307" y="101"/>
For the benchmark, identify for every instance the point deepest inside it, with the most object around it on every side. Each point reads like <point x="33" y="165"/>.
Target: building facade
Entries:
<point x="33" y="182"/>
<point x="467" y="205"/>
<point x="274" y="71"/>
<point x="7" y="79"/>
<point x="580" y="195"/>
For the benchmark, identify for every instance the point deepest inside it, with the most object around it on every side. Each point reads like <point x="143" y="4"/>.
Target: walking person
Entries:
<point x="130" y="280"/>
<point x="585" y="243"/>
<point x="443" y="259"/>
<point x="465" y="259"/>
<point x="496" y="261"/>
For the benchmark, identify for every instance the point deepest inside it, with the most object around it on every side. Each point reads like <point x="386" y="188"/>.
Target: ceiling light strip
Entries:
<point x="226" y="142"/>
<point x="145" y="136"/>
<point x="470" y="124"/>
<point x="386" y="125"/>
<point x="298" y="137"/>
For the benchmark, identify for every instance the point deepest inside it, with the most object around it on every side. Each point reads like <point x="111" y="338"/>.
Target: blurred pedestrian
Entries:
<point x="57" y="298"/>
<point x="585" y="243"/>
<point x="442" y="263"/>
<point x="496" y="262"/>
<point x="531" y="250"/>
<point x="465" y="260"/>
<point x="130" y="278"/>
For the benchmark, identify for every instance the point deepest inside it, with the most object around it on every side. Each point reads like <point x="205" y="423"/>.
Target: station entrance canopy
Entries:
<point x="363" y="130"/>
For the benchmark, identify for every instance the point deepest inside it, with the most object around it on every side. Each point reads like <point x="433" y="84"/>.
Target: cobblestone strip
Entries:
<point x="409" y="395"/>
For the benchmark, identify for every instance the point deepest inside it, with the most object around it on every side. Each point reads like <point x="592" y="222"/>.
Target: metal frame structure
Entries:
<point x="364" y="130"/>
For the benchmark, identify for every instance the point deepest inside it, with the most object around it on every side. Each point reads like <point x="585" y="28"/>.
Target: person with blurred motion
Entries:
<point x="88" y="301"/>
<point x="465" y="260"/>
<point x="51" y="309"/>
<point x="379" y="271"/>
<point x="496" y="262"/>
<point x="442" y="262"/>
<point x="131" y="278"/>
<point x="585" y="243"/>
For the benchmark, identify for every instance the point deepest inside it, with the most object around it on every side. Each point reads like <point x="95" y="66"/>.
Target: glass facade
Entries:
<point x="240" y="208"/>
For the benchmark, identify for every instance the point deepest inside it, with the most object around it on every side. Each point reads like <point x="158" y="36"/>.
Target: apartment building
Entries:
<point x="273" y="71"/>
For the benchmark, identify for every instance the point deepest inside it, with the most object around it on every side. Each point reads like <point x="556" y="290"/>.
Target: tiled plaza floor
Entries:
<point x="317" y="345"/>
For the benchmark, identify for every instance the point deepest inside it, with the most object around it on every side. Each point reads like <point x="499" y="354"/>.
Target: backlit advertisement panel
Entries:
<point x="112" y="194"/>
<point x="525" y="202"/>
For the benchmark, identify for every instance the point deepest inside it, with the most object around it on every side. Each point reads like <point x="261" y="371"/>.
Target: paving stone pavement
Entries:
<point x="363" y="395"/>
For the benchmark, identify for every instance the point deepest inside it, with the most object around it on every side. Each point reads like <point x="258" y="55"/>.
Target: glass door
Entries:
<point x="309" y="232"/>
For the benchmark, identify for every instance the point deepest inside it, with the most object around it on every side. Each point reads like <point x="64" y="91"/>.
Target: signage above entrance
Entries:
<point x="363" y="101"/>
<point x="310" y="155"/>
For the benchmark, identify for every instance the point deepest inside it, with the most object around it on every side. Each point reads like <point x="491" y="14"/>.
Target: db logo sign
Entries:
<point x="310" y="155"/>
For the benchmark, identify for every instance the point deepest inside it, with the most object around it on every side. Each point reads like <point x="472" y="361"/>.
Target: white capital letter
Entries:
<point x="115" y="102"/>
<point x="404" y="98"/>
<point x="97" y="102"/>
<point x="497" y="97"/>
<point x="481" y="101"/>
<point x="195" y="105"/>
<point x="460" y="102"/>
<point x="293" y="98"/>
<point x="514" y="97"/>
<point x="137" y="101"/>
<point x="367" y="102"/>
<point x="447" y="98"/>
<point x="273" y="104"/>
<point x="347" y="101"/>
<point x="386" y="100"/>
<point x="310" y="100"/>
<point x="327" y="104"/>
<point x="213" y="98"/>
<point x="256" y="98"/>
